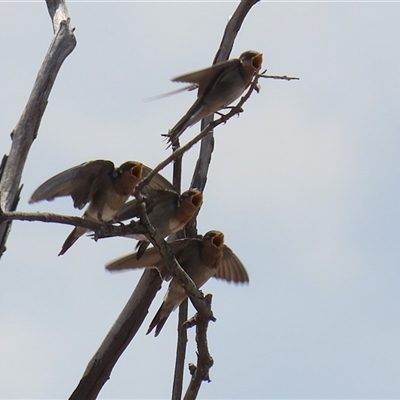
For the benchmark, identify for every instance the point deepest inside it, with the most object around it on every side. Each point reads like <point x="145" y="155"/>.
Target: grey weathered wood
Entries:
<point x="120" y="335"/>
<point x="27" y="127"/>
<point x="199" y="178"/>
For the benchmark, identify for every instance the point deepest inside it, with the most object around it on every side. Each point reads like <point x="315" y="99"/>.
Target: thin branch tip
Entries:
<point x="280" y="77"/>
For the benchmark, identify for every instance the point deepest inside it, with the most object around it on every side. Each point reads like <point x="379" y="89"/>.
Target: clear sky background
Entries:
<point x="304" y="185"/>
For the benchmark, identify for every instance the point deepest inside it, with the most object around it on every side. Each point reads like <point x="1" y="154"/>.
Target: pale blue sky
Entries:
<point x="304" y="184"/>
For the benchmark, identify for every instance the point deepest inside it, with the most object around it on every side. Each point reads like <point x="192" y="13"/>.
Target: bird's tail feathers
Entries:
<point x="72" y="238"/>
<point x="190" y="118"/>
<point x="159" y="320"/>
<point x="178" y="129"/>
<point x="141" y="247"/>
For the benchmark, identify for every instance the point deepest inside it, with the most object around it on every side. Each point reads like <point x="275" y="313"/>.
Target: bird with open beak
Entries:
<point x="200" y="258"/>
<point x="167" y="210"/>
<point x="99" y="183"/>
<point x="218" y="86"/>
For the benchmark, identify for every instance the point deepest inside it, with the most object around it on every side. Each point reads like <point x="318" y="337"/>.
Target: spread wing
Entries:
<point x="128" y="211"/>
<point x="172" y="92"/>
<point x="231" y="268"/>
<point x="79" y="182"/>
<point x="152" y="258"/>
<point x="207" y="76"/>
<point x="154" y="198"/>
<point x="158" y="182"/>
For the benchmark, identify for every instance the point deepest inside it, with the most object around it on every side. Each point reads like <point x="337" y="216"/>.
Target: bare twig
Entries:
<point x="101" y="229"/>
<point x="281" y="77"/>
<point x="200" y="373"/>
<point x="27" y="127"/>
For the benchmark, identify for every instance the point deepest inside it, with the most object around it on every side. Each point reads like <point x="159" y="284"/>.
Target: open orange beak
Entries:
<point x="197" y="199"/>
<point x="218" y="240"/>
<point x="257" y="61"/>
<point x="137" y="171"/>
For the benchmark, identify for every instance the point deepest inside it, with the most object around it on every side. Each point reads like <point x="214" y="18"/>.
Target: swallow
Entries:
<point x="200" y="258"/>
<point x="99" y="183"/>
<point x="168" y="212"/>
<point x="218" y="86"/>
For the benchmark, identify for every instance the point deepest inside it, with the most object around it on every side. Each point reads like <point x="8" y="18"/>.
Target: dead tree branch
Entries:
<point x="181" y="344"/>
<point x="281" y="77"/>
<point x="27" y="127"/>
<point x="100" y="229"/>
<point x="120" y="335"/>
<point x="199" y="178"/>
<point x="200" y="373"/>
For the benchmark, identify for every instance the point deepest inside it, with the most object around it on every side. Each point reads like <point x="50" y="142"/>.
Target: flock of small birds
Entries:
<point x="106" y="189"/>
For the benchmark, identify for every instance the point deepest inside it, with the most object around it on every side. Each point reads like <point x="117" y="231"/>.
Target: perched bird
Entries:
<point x="201" y="259"/>
<point x="218" y="86"/>
<point x="168" y="212"/>
<point x="99" y="183"/>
